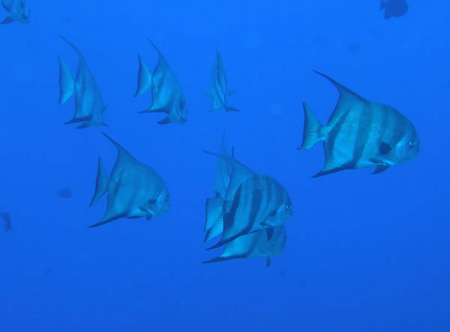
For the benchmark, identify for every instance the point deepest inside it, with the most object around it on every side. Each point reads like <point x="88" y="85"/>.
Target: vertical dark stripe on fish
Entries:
<point x="256" y="200"/>
<point x="333" y="135"/>
<point x="365" y="127"/>
<point x="231" y="214"/>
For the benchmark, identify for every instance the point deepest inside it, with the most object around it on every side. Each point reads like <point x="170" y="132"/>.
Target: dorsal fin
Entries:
<point x="239" y="173"/>
<point x="74" y="47"/>
<point x="124" y="156"/>
<point x="161" y="56"/>
<point x="346" y="97"/>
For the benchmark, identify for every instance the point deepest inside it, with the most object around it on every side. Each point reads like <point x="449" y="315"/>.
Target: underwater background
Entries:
<point x="364" y="252"/>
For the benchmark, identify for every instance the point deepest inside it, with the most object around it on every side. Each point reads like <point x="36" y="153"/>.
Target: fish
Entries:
<point x="393" y="8"/>
<point x="89" y="106"/>
<point x="255" y="244"/>
<point x="218" y="89"/>
<point x="18" y="10"/>
<point x="361" y="134"/>
<point x="6" y="221"/>
<point x="65" y="193"/>
<point x="167" y="94"/>
<point x="134" y="189"/>
<point x="252" y="202"/>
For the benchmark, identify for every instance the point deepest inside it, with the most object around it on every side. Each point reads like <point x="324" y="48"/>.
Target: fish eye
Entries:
<point x="411" y="143"/>
<point x="288" y="207"/>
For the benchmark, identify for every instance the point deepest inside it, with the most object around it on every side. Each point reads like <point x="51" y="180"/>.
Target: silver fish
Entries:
<point x="361" y="134"/>
<point x="218" y="87"/>
<point x="89" y="106"/>
<point x="393" y="8"/>
<point x="18" y="10"/>
<point x="167" y="95"/>
<point x="252" y="202"/>
<point x="134" y="189"/>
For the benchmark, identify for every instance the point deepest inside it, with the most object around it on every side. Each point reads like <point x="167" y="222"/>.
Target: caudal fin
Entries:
<point x="312" y="128"/>
<point x="144" y="78"/>
<point x="66" y="82"/>
<point x="101" y="184"/>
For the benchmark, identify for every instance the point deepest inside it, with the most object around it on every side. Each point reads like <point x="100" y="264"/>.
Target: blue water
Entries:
<point x="364" y="252"/>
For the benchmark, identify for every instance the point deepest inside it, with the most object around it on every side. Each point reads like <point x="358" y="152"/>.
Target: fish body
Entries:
<point x="89" y="106"/>
<point x="134" y="189"/>
<point x="361" y="134"/>
<point x="167" y="94"/>
<point x="393" y="8"/>
<point x="18" y="10"/>
<point x="218" y="88"/>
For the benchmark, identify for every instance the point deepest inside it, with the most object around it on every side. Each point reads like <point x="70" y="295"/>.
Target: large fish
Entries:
<point x="134" y="189"/>
<point x="89" y="106"/>
<point x="167" y="95"/>
<point x="218" y="87"/>
<point x="18" y="11"/>
<point x="361" y="134"/>
<point x="252" y="202"/>
<point x="394" y="8"/>
<point x="255" y="244"/>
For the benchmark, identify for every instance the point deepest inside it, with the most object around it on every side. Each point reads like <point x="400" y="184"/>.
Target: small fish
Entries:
<point x="361" y="134"/>
<point x="255" y="244"/>
<point x="252" y="202"/>
<point x="65" y="193"/>
<point x="218" y="89"/>
<point x="393" y="8"/>
<point x="6" y="221"/>
<point x="89" y="106"/>
<point x="167" y="95"/>
<point x="18" y="11"/>
<point x="134" y="189"/>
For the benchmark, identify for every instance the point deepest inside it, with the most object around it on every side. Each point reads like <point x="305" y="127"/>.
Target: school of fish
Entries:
<point x="248" y="211"/>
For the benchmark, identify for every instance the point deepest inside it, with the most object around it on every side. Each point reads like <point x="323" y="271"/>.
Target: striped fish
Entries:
<point x="167" y="95"/>
<point x="89" y="106"/>
<point x="252" y="202"/>
<point x="361" y="134"/>
<point x="218" y="88"/>
<point x="255" y="244"/>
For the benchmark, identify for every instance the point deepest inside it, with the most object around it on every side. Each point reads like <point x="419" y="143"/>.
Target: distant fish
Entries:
<point x="134" y="189"/>
<point x="6" y="221"/>
<point x="218" y="87"/>
<point x="252" y="202"/>
<point x="167" y="95"/>
<point x="89" y="106"/>
<point x="255" y="244"/>
<point x="394" y="8"/>
<point x="361" y="134"/>
<point x="353" y="48"/>
<point x="65" y="193"/>
<point x="18" y="11"/>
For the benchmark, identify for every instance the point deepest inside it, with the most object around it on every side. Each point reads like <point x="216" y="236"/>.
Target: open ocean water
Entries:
<point x="364" y="253"/>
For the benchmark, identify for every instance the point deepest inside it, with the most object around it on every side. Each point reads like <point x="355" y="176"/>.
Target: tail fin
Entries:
<point x="66" y="82"/>
<point x="311" y="132"/>
<point x="101" y="184"/>
<point x="144" y="78"/>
